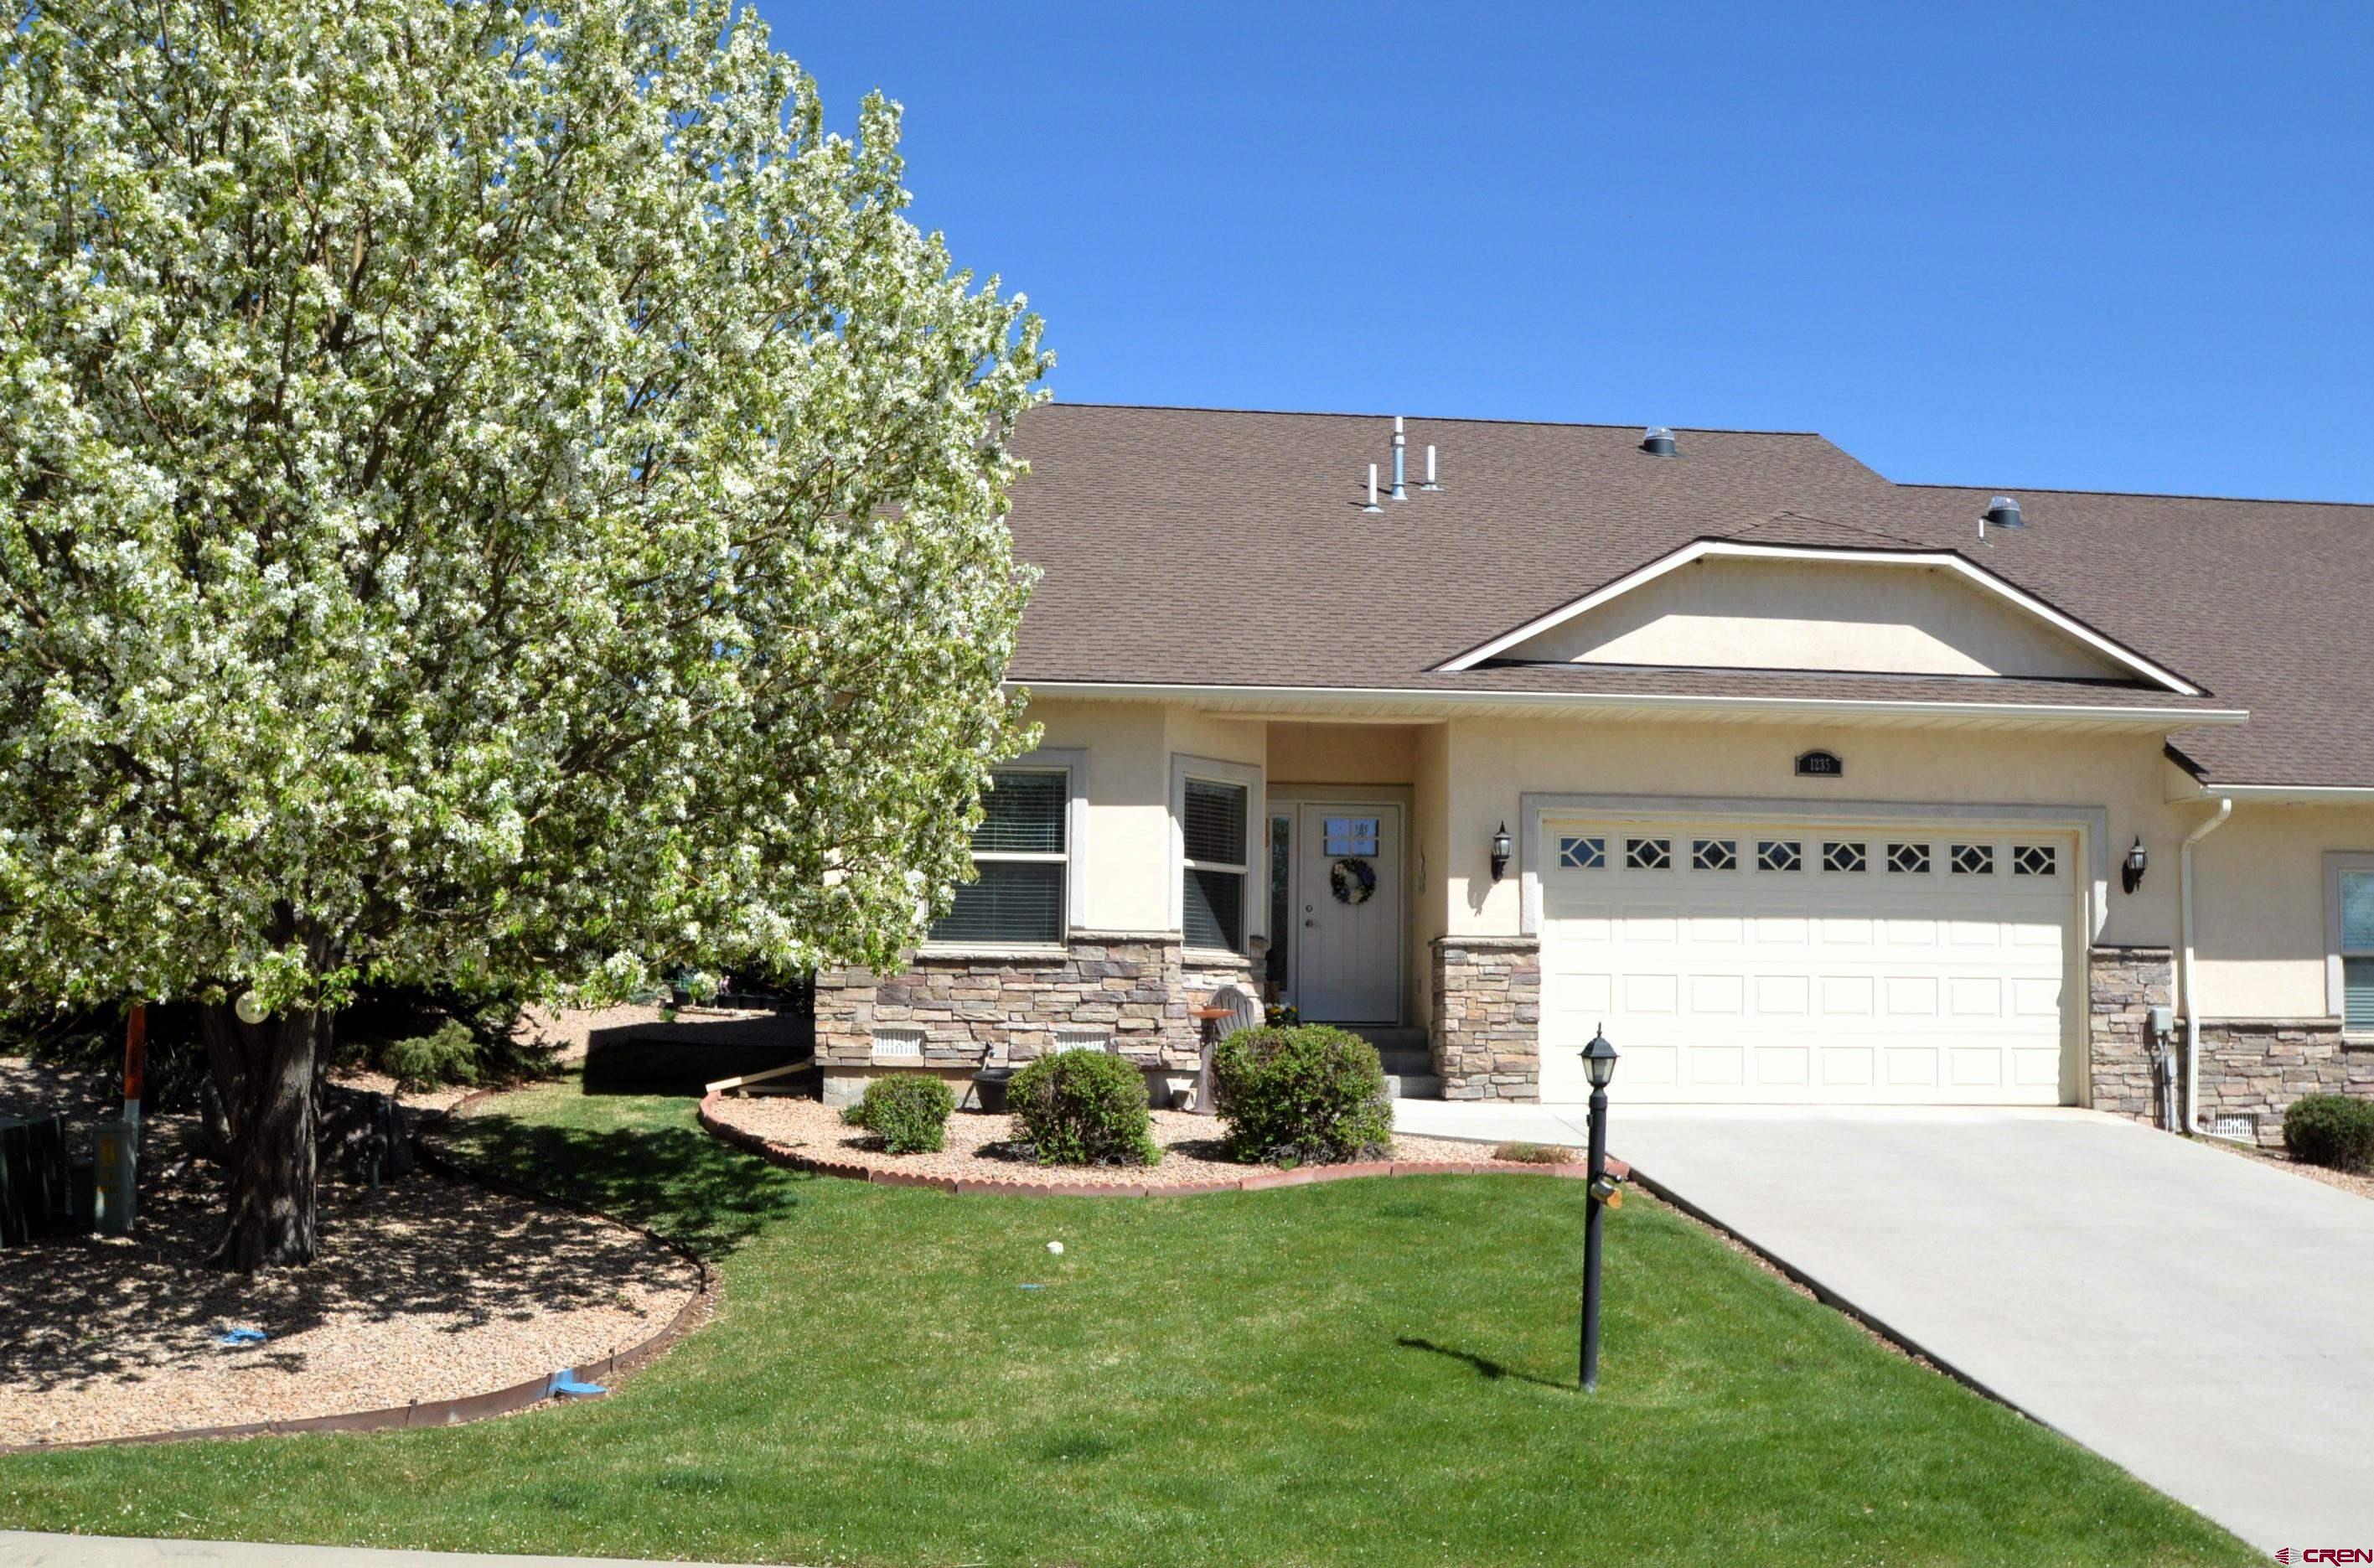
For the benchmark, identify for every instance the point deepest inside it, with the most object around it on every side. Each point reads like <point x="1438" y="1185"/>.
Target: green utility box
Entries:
<point x="114" y="1175"/>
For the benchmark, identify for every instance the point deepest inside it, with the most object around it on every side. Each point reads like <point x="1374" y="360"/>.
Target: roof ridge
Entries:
<point x="1870" y="533"/>
<point x="1438" y="418"/>
<point x="2138" y="495"/>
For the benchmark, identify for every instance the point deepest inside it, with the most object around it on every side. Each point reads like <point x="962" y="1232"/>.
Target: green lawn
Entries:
<point x="1365" y="1372"/>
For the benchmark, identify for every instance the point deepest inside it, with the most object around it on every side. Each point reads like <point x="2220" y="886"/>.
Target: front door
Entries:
<point x="1345" y="962"/>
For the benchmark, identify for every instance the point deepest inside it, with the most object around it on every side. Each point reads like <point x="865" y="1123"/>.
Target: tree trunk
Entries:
<point x="264" y="1073"/>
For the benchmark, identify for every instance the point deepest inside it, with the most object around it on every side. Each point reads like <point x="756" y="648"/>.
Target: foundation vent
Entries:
<point x="898" y="1042"/>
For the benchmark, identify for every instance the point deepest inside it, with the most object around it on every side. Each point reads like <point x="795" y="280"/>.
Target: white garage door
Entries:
<point x="1788" y="964"/>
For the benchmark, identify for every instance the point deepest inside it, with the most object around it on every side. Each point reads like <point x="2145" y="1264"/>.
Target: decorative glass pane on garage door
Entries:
<point x="1742" y="978"/>
<point x="1649" y="854"/>
<point x="1582" y="854"/>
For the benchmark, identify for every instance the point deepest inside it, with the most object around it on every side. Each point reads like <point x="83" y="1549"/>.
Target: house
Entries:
<point x="1806" y="785"/>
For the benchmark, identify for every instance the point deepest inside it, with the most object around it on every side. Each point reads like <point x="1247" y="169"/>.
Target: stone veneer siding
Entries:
<point x="978" y="1008"/>
<point x="2256" y="1067"/>
<point x="1487" y="1017"/>
<point x="2122" y="982"/>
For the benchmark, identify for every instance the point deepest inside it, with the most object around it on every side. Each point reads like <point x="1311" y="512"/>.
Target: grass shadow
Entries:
<point x="1486" y="1367"/>
<point x="675" y="1180"/>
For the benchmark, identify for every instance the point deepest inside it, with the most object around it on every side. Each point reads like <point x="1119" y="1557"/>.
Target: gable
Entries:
<point x="1726" y="606"/>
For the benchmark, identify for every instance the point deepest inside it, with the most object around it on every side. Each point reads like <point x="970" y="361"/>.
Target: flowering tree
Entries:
<point x="492" y="496"/>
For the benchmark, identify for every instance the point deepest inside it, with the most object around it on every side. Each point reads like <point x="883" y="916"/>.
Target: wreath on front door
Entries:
<point x="1352" y="880"/>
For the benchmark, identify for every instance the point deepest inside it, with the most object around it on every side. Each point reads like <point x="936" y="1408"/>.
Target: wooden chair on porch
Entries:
<point x="1232" y="1007"/>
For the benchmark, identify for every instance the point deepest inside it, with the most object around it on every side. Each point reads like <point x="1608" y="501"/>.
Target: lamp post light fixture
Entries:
<point x="2131" y="874"/>
<point x="1500" y="852"/>
<point x="1599" y="1066"/>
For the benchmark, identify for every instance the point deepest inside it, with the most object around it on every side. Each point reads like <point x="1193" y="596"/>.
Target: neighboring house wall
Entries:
<point x="2269" y="1033"/>
<point x="1806" y="615"/>
<point x="2260" y="893"/>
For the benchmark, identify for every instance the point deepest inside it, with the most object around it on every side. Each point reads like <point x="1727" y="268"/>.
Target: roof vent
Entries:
<point x="1658" y="441"/>
<point x="2003" y="512"/>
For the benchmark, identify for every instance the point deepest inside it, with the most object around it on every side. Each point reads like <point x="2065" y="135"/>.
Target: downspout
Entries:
<point x="2184" y="970"/>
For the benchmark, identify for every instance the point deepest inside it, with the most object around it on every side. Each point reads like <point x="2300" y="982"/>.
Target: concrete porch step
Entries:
<point x="1386" y="1037"/>
<point x="1414" y="1086"/>
<point x="1402" y="1059"/>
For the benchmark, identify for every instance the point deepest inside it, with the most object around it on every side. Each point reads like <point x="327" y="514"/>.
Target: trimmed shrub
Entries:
<point x="2331" y="1129"/>
<point x="1534" y="1153"/>
<point x="908" y="1113"/>
<point x="1313" y="1094"/>
<point x="1083" y="1108"/>
<point x="424" y="1061"/>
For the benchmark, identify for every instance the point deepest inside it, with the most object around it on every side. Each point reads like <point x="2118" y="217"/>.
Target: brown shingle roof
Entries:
<point x="1203" y="546"/>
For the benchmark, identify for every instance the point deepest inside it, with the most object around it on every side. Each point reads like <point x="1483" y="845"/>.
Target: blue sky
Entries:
<point x="2101" y="247"/>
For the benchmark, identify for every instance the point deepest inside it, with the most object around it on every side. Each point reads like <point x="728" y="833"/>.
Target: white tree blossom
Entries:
<point x="492" y="496"/>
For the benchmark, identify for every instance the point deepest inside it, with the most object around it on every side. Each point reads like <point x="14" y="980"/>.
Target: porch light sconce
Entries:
<point x="2131" y="874"/>
<point x="1500" y="852"/>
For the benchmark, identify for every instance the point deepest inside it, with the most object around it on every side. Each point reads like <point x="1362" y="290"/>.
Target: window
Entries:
<point x="1582" y="854"/>
<point x="1780" y="855"/>
<point x="1281" y="893"/>
<point x="1909" y="859"/>
<point x="1022" y="852"/>
<point x="1649" y="854"/>
<point x="1715" y="855"/>
<point x="2349" y="891"/>
<point x="1350" y="836"/>
<point x="1212" y="824"/>
<point x="2035" y="860"/>
<point x="1845" y="857"/>
<point x="1974" y="860"/>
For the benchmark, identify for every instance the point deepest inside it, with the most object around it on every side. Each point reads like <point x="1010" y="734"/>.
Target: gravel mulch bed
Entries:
<point x="425" y="1290"/>
<point x="2362" y="1185"/>
<point x="983" y="1147"/>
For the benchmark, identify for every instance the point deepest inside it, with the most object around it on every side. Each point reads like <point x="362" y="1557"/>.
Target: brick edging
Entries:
<point x="1304" y="1176"/>
<point x="466" y="1406"/>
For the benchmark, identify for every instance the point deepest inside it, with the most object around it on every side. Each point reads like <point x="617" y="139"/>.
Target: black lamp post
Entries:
<point x="1599" y="1064"/>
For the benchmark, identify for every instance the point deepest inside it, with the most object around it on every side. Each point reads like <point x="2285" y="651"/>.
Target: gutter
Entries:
<point x="2184" y="879"/>
<point x="2290" y="795"/>
<point x="1287" y="696"/>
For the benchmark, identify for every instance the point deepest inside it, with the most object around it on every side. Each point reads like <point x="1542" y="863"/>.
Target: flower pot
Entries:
<point x="989" y="1087"/>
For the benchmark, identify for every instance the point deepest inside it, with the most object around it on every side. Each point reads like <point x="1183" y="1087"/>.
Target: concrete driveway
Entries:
<point x="2200" y="1320"/>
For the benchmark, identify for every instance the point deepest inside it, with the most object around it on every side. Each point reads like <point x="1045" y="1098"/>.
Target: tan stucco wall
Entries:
<point x="1128" y="844"/>
<point x="1129" y="808"/>
<point x="2259" y="898"/>
<point x="1807" y="614"/>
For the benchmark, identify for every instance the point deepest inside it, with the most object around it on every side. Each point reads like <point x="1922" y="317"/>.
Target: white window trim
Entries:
<point x="2336" y="1004"/>
<point x="1073" y="763"/>
<point x="1211" y="769"/>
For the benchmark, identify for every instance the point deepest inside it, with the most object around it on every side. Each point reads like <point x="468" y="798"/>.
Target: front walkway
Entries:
<point x="2202" y="1319"/>
<point x="20" y="1549"/>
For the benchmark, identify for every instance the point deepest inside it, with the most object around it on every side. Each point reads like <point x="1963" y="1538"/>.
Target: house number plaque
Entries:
<point x="1820" y="765"/>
